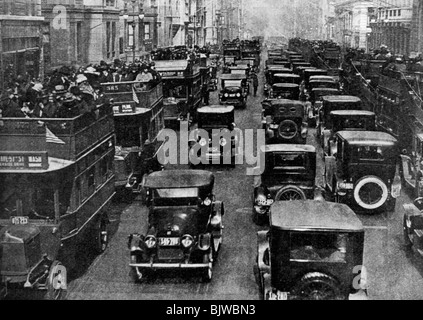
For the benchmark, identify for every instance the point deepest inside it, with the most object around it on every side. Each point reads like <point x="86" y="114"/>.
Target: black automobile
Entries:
<point x="361" y="170"/>
<point x="347" y="120"/>
<point x="334" y="103"/>
<point x="289" y="174"/>
<point x="220" y="144"/>
<point x="234" y="90"/>
<point x="307" y="73"/>
<point x="313" y="251"/>
<point x="184" y="225"/>
<point x="285" y="121"/>
<point x="280" y="78"/>
<point x="285" y="91"/>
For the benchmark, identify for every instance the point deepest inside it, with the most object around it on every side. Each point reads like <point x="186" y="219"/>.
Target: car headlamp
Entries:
<point x="261" y="200"/>
<point x="150" y="242"/>
<point x="238" y="95"/>
<point x="226" y="95"/>
<point x="207" y="202"/>
<point x="187" y="241"/>
<point x="223" y="142"/>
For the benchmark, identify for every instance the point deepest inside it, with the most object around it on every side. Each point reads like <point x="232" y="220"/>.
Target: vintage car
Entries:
<point x="312" y="72"/>
<point x="413" y="226"/>
<point x="220" y="144"/>
<point x="234" y="90"/>
<point x="284" y="121"/>
<point x="285" y="91"/>
<point x="271" y="70"/>
<point x="361" y="170"/>
<point x="312" y="84"/>
<point x="240" y="69"/>
<point x="347" y="120"/>
<point x="184" y="224"/>
<point x="289" y="174"/>
<point x="281" y="78"/>
<point x="333" y="103"/>
<point x="313" y="251"/>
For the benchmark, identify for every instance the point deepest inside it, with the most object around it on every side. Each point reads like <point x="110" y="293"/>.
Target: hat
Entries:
<point x="91" y="70"/>
<point x="38" y="87"/>
<point x="81" y="78"/>
<point x="60" y="89"/>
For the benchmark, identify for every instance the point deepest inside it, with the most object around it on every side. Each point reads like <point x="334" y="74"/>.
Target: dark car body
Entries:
<point x="313" y="251"/>
<point x="234" y="90"/>
<point x="184" y="224"/>
<point x="361" y="170"/>
<point x="285" y="121"/>
<point x="289" y="174"/>
<point x="334" y="103"/>
<point x="219" y="122"/>
<point x="347" y="120"/>
<point x="413" y="226"/>
<point x="285" y="91"/>
<point x="313" y="72"/>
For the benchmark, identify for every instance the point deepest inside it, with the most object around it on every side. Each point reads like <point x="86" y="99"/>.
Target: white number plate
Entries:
<point x="19" y="220"/>
<point x="169" y="242"/>
<point x="268" y="202"/>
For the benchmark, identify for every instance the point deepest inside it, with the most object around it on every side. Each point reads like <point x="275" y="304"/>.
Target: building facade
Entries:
<point x="21" y="40"/>
<point x="416" y="38"/>
<point x="391" y="24"/>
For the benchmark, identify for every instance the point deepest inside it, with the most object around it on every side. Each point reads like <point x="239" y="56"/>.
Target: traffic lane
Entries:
<point x="393" y="271"/>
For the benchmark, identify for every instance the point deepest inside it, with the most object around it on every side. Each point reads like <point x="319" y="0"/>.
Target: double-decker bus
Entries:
<point x="181" y="89"/>
<point x="56" y="184"/>
<point x="138" y="114"/>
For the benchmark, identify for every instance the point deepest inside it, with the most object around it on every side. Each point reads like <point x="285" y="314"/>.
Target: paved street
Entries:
<point x="393" y="272"/>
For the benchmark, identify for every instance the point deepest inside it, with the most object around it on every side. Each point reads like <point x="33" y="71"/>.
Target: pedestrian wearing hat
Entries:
<point x="10" y="107"/>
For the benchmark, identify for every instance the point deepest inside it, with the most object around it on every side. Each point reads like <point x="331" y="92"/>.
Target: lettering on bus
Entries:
<point x="31" y="161"/>
<point x="172" y="74"/>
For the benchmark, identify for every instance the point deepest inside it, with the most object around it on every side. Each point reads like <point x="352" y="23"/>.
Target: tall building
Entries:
<point x="352" y="21"/>
<point x="391" y="25"/>
<point x="21" y="40"/>
<point x="416" y="42"/>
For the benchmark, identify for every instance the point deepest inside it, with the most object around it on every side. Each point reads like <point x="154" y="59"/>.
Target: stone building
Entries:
<point x="416" y="41"/>
<point x="21" y="40"/>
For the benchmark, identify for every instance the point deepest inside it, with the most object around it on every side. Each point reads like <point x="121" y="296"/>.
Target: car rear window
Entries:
<point x="289" y="161"/>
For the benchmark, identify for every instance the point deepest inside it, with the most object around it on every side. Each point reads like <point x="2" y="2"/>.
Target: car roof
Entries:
<point x="342" y="98"/>
<point x="277" y="102"/>
<point x="179" y="179"/>
<point x="287" y="148"/>
<point x="278" y="67"/>
<point x="352" y="112"/>
<point x="231" y="76"/>
<point x="314" y="215"/>
<point x="315" y="70"/>
<point x="368" y="138"/>
<point x="216" y="109"/>
<point x="325" y="89"/>
<point x="323" y="80"/>
<point x="322" y="77"/>
<point x="286" y="75"/>
<point x="286" y="85"/>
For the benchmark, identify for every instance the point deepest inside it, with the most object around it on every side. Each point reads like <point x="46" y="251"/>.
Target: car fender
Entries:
<point x="414" y="215"/>
<point x="262" y="246"/>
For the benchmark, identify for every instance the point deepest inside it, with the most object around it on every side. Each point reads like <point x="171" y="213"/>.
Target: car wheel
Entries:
<point x="56" y="282"/>
<point x="288" y="129"/>
<point x="101" y="237"/>
<point x="371" y="193"/>
<point x="317" y="286"/>
<point x="208" y="272"/>
<point x="408" y="235"/>
<point x="290" y="193"/>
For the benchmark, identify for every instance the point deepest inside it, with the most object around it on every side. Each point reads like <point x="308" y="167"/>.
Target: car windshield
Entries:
<point x="210" y="119"/>
<point x="175" y="196"/>
<point x="233" y="83"/>
<point x="370" y="153"/>
<point x="285" y="161"/>
<point x="238" y="71"/>
<point x="318" y="247"/>
<point x="351" y="122"/>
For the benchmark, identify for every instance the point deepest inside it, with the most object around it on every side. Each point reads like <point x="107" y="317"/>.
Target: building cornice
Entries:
<point x="21" y="18"/>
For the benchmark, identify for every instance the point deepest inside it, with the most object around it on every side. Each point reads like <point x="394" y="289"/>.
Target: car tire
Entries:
<point x="290" y="193"/>
<point x="55" y="289"/>
<point x="383" y="192"/>
<point x="408" y="241"/>
<point x="317" y="286"/>
<point x="292" y="128"/>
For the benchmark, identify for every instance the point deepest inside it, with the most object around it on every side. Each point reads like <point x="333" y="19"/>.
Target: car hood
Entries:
<point x="176" y="222"/>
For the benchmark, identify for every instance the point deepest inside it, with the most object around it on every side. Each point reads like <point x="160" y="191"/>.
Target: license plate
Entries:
<point x="232" y="95"/>
<point x="169" y="242"/>
<point x="19" y="220"/>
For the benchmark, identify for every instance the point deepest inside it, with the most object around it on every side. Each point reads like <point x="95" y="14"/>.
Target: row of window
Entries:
<point x="389" y="13"/>
<point x="22" y="8"/>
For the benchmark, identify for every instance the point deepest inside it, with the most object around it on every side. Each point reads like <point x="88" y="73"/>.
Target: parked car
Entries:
<point x="347" y="120"/>
<point x="333" y="103"/>
<point x="234" y="90"/>
<point x="289" y="91"/>
<point x="281" y="78"/>
<point x="315" y="99"/>
<point x="289" y="174"/>
<point x="413" y="226"/>
<point x="221" y="145"/>
<point x="184" y="224"/>
<point x="285" y="121"/>
<point x="313" y="251"/>
<point x="361" y="170"/>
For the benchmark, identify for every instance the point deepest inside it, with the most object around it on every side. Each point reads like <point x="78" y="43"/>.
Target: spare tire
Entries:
<point x="317" y="286"/>
<point x="290" y="193"/>
<point x="288" y="129"/>
<point x="371" y="193"/>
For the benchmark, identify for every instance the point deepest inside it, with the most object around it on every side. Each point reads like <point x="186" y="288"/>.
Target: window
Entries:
<point x="395" y="13"/>
<point x="78" y="40"/>
<point x="131" y="39"/>
<point x="108" y="33"/>
<point x="91" y="180"/>
<point x="113" y="40"/>
<point x="110" y="3"/>
<point x="147" y="31"/>
<point x="399" y="12"/>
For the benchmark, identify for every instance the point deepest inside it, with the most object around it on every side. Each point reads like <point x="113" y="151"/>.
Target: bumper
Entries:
<point x="170" y="265"/>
